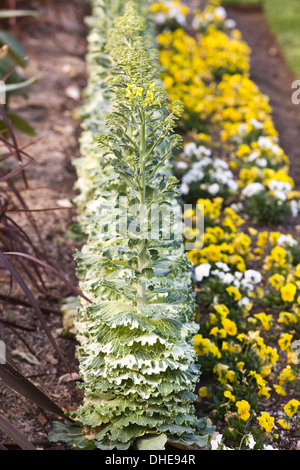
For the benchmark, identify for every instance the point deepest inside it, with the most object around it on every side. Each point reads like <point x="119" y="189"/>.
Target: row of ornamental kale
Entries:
<point x="137" y="362"/>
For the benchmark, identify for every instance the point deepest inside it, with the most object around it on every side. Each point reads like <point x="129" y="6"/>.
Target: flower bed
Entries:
<point x="144" y="342"/>
<point x="246" y="279"/>
<point x="136" y="357"/>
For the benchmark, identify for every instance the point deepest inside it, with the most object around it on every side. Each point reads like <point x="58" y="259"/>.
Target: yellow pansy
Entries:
<point x="243" y="409"/>
<point x="229" y="395"/>
<point x="278" y="254"/>
<point x="204" y="392"/>
<point x="222" y="309"/>
<point x="234" y="293"/>
<point x="279" y="390"/>
<point x="291" y="407"/>
<point x="284" y="423"/>
<point x="287" y="318"/>
<point x="229" y="326"/>
<point x="284" y="341"/>
<point x="277" y="281"/>
<point x="218" y="332"/>
<point x="266" y="421"/>
<point x="288" y="292"/>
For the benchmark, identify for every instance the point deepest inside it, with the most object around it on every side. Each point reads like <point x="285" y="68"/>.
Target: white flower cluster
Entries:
<point x="252" y="189"/>
<point x="268" y="144"/>
<point x="218" y="15"/>
<point x="245" y="282"/>
<point x="213" y="173"/>
<point x="172" y="13"/>
<point x="287" y="241"/>
<point x="218" y="444"/>
<point x="280" y="189"/>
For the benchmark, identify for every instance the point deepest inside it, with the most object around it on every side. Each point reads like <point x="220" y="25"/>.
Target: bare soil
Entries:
<point x="56" y="45"/>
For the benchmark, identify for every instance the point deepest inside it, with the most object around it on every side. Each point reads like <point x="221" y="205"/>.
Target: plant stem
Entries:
<point x="142" y="255"/>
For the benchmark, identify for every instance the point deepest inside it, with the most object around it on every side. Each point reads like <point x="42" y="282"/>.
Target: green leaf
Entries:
<point x="169" y="327"/>
<point x="152" y="442"/>
<point x="21" y="124"/>
<point x="71" y="433"/>
<point x="16" y="50"/>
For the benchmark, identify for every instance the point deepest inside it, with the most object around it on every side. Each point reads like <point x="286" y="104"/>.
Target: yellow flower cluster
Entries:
<point x="232" y="331"/>
<point x="209" y="72"/>
<point x="223" y="242"/>
<point x="150" y="95"/>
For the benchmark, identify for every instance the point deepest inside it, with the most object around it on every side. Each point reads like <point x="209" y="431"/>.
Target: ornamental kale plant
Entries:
<point x="136" y="357"/>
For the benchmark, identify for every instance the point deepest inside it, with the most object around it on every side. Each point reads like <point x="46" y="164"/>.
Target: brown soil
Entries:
<point x="55" y="44"/>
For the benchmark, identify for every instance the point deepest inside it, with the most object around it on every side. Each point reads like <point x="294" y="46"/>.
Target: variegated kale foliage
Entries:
<point x="136" y="358"/>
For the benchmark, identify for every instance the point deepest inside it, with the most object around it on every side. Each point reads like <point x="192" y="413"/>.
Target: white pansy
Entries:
<point x="213" y="188"/>
<point x="277" y="185"/>
<point x="223" y="266"/>
<point x="279" y="195"/>
<point x="205" y="161"/>
<point x="181" y="19"/>
<point x="181" y="165"/>
<point x="218" y="162"/>
<point x="250" y="441"/>
<point x="237" y="283"/>
<point x="257" y="124"/>
<point x="287" y="240"/>
<point x="202" y="151"/>
<point x="252" y="156"/>
<point x="193" y="176"/>
<point x="238" y="275"/>
<point x="228" y="278"/>
<point x="216" y="443"/>
<point x="243" y="301"/>
<point x="220" y="12"/>
<point x="266" y="143"/>
<point x="184" y="189"/>
<point x="294" y="208"/>
<point x="237" y="207"/>
<point x="218" y="273"/>
<point x="253" y="276"/>
<point x="209" y="16"/>
<point x="232" y="185"/>
<point x="196" y="22"/>
<point x="261" y="162"/>
<point x="252" y="189"/>
<point x="202" y="271"/>
<point x="230" y="24"/>
<point x="173" y="12"/>
<point x="242" y="128"/>
<point x="190" y="149"/>
<point x="160" y="18"/>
